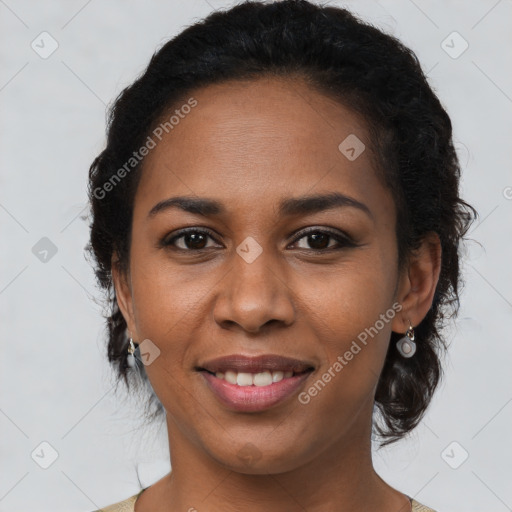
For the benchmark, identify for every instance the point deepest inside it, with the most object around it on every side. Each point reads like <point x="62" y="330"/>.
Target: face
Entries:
<point x="257" y="275"/>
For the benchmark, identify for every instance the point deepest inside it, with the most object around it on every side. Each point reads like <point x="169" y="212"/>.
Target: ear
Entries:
<point x="418" y="283"/>
<point x="123" y="289"/>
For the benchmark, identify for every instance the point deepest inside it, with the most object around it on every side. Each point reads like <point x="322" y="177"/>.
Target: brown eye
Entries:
<point x="319" y="240"/>
<point x="191" y="240"/>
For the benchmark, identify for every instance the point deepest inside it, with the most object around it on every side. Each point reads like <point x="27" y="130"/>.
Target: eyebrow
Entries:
<point x="302" y="205"/>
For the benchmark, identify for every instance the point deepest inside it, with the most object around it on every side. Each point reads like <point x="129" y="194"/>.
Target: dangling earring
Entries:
<point x="131" y="359"/>
<point x="406" y="345"/>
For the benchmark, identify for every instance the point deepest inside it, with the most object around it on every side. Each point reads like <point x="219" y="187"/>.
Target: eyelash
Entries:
<point x="343" y="239"/>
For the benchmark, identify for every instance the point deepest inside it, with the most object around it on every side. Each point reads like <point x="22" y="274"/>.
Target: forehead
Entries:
<point x="259" y="140"/>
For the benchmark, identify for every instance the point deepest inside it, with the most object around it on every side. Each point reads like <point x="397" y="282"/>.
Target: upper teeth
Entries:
<point x="248" y="379"/>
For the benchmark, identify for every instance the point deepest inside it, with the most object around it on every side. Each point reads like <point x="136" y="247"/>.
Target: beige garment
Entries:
<point x="129" y="505"/>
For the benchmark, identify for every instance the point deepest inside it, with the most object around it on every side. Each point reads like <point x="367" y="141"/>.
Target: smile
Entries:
<point x="265" y="378"/>
<point x="247" y="392"/>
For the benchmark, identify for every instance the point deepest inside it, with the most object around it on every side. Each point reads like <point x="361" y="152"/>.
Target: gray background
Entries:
<point x="56" y="386"/>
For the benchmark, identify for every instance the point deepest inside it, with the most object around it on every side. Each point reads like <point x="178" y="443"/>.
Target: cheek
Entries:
<point x="351" y="313"/>
<point x="352" y="297"/>
<point x="165" y="297"/>
<point x="354" y="334"/>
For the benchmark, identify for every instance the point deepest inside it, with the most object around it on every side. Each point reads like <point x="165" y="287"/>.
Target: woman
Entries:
<point x="276" y="222"/>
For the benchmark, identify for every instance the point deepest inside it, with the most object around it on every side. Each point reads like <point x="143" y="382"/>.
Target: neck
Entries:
<point x="340" y="478"/>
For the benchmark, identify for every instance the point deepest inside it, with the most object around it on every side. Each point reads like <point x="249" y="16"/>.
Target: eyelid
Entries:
<point x="168" y="240"/>
<point x="343" y="238"/>
<point x="335" y="232"/>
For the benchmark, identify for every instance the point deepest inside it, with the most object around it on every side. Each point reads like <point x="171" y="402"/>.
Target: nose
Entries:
<point x="254" y="296"/>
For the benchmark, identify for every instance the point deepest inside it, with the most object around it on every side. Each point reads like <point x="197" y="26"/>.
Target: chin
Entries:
<point x="250" y="460"/>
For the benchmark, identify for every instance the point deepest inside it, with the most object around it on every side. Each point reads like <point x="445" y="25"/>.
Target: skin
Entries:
<point x="249" y="145"/>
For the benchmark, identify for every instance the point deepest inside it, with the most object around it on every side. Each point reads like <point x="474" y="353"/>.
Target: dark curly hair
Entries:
<point x="361" y="67"/>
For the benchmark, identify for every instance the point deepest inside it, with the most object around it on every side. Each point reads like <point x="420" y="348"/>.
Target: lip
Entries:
<point x="255" y="364"/>
<point x="253" y="398"/>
